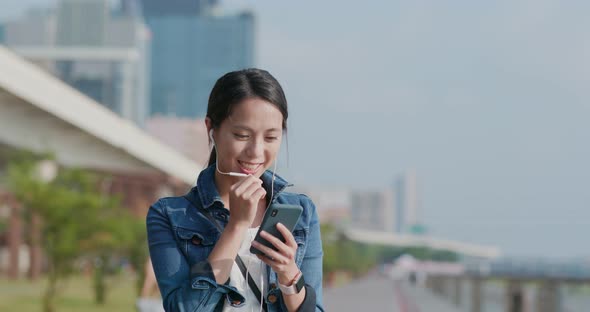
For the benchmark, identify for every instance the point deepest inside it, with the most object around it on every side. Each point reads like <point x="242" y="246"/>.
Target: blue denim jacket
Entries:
<point x="180" y="239"/>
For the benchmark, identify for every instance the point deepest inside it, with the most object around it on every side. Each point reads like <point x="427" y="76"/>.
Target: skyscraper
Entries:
<point x="36" y="28"/>
<point x="406" y="202"/>
<point x="372" y="210"/>
<point x="72" y="43"/>
<point x="82" y="22"/>
<point x="155" y="8"/>
<point x="191" y="48"/>
<point x="130" y="8"/>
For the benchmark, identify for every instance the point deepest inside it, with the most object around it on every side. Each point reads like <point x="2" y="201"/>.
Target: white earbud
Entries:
<point x="211" y="137"/>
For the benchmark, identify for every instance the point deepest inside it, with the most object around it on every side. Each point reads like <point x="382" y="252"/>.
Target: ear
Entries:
<point x="209" y="126"/>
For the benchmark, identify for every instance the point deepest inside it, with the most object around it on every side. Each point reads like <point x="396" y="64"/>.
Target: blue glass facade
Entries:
<point x="176" y="7"/>
<point x="189" y="53"/>
<point x="1" y="33"/>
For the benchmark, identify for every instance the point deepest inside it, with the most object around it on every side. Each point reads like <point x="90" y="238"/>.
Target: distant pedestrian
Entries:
<point x="149" y="299"/>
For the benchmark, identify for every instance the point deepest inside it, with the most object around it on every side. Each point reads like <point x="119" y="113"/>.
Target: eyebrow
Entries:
<point x="250" y="129"/>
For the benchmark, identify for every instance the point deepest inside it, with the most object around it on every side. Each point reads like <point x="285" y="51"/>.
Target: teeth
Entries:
<point x="249" y="166"/>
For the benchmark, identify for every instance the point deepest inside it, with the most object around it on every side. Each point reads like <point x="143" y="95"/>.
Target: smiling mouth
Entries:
<point x="249" y="168"/>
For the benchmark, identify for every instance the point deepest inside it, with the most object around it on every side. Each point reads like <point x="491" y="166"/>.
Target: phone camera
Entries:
<point x="274" y="213"/>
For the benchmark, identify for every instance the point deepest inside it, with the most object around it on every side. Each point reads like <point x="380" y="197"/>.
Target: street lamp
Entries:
<point x="46" y="170"/>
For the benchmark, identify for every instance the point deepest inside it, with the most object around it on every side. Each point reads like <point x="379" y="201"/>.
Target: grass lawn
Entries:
<point x="76" y="295"/>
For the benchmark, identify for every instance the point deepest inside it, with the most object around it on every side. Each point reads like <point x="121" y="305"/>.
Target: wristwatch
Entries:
<point x="295" y="286"/>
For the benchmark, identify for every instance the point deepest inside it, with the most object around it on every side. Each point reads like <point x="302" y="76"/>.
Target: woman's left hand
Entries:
<point x="283" y="260"/>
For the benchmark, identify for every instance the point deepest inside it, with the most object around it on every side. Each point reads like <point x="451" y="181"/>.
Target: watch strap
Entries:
<point x="296" y="285"/>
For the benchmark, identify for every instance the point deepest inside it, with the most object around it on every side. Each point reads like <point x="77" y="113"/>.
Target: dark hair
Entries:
<point x="236" y="86"/>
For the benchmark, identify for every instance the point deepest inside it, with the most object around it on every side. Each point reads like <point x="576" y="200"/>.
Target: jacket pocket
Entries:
<point x="196" y="245"/>
<point x="299" y="236"/>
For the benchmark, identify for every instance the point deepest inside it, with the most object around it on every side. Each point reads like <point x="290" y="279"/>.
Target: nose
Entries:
<point x="255" y="148"/>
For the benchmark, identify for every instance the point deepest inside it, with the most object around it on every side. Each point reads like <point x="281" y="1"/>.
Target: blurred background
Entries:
<point x="445" y="144"/>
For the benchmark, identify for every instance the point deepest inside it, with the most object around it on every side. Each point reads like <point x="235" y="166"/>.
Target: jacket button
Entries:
<point x="196" y="241"/>
<point x="273" y="286"/>
<point x="235" y="302"/>
<point x="272" y="298"/>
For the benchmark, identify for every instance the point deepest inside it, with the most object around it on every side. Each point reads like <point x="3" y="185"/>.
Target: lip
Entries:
<point x="249" y="171"/>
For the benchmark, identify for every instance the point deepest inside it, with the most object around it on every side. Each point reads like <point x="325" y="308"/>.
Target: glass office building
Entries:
<point x="102" y="52"/>
<point x="189" y="53"/>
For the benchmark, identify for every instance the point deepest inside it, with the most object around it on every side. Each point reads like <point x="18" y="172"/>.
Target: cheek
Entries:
<point x="272" y="152"/>
<point x="231" y="151"/>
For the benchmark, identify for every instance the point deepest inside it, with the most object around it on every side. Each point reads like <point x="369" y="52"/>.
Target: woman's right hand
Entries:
<point x="243" y="200"/>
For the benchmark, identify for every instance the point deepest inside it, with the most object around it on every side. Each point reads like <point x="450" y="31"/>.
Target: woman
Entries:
<point x="199" y="243"/>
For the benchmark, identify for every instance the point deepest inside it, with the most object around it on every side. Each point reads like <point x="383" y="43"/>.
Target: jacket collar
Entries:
<point x="207" y="190"/>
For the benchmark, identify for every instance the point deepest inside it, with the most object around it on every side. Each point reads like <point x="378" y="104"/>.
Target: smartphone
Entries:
<point x="286" y="214"/>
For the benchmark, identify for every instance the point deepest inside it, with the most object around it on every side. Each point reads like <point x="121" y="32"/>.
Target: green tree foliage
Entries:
<point x="78" y="222"/>
<point x="342" y="254"/>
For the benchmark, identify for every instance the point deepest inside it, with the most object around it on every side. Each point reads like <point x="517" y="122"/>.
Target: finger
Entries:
<point x="251" y="190"/>
<point x="289" y="239"/>
<point x="266" y="260"/>
<point x="234" y="186"/>
<point x="259" y="194"/>
<point x="278" y="258"/>
<point x="270" y="261"/>
<point x="285" y="250"/>
<point x="239" y="186"/>
<point x="275" y="241"/>
<point x="245" y="183"/>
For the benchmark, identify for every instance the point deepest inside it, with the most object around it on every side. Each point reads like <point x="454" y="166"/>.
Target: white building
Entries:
<point x="103" y="55"/>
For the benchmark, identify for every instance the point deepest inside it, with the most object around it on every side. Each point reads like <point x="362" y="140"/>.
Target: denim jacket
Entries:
<point x="181" y="238"/>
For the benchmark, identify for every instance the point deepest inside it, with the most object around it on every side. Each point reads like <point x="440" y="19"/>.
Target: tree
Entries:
<point x="342" y="254"/>
<point x="115" y="236"/>
<point x="77" y="221"/>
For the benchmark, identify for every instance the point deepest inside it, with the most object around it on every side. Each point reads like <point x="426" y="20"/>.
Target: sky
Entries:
<point x="488" y="101"/>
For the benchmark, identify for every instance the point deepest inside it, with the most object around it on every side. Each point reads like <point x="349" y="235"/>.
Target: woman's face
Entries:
<point x="249" y="139"/>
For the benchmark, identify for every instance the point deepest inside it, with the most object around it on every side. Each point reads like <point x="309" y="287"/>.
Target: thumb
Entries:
<point x="263" y="194"/>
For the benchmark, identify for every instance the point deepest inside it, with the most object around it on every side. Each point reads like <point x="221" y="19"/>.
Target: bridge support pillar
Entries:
<point x="514" y="296"/>
<point x="476" y="294"/>
<point x="433" y="284"/>
<point x="457" y="283"/>
<point x="441" y="283"/>
<point x="548" y="298"/>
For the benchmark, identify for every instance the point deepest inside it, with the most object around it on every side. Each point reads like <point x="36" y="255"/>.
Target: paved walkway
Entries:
<point x="377" y="293"/>
<point x="422" y="300"/>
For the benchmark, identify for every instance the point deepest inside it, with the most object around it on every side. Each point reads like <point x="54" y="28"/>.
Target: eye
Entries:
<point x="272" y="138"/>
<point x="241" y="136"/>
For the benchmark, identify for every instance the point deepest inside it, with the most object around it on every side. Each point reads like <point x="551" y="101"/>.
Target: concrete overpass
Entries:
<point x="405" y="240"/>
<point x="58" y="53"/>
<point x="40" y="113"/>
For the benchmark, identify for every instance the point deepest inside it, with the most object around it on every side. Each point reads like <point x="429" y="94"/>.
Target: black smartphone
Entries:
<point x="286" y="214"/>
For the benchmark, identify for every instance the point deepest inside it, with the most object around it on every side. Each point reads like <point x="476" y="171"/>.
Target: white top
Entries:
<point x="256" y="268"/>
